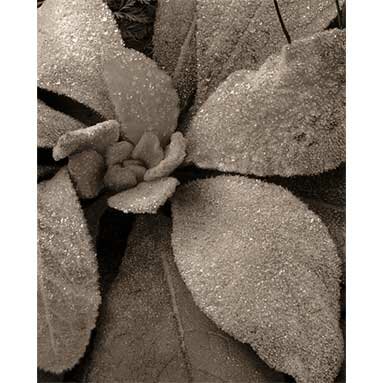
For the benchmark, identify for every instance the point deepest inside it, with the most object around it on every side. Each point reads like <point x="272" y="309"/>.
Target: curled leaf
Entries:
<point x="68" y="292"/>
<point x="74" y="40"/>
<point x="263" y="267"/>
<point x="151" y="330"/>
<point x="143" y="96"/>
<point x="174" y="156"/>
<point x="288" y="118"/>
<point x="51" y="124"/>
<point x="174" y="42"/>
<point x="242" y="34"/>
<point x="97" y="137"/>
<point x="148" y="150"/>
<point x="146" y="197"/>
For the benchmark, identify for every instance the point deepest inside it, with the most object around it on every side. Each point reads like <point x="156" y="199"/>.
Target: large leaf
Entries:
<point x="68" y="293"/>
<point x="263" y="267"/>
<point x="74" y="40"/>
<point x="150" y="329"/>
<point x="242" y="34"/>
<point x="287" y="118"/>
<point x="143" y="96"/>
<point x="174" y="43"/>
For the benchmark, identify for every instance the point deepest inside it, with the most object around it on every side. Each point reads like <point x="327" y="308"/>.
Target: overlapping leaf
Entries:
<point x="143" y="96"/>
<point x="263" y="267"/>
<point x="287" y="118"/>
<point x="174" y="42"/>
<point x="74" y="40"/>
<point x="242" y="34"/>
<point x="151" y="330"/>
<point x="51" y="124"/>
<point x="68" y="293"/>
<point x="146" y="197"/>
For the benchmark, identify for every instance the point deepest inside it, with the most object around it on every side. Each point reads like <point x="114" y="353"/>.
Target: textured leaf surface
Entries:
<point x="174" y="155"/>
<point x="51" y="124"/>
<point x="151" y="330"/>
<point x="242" y="34"/>
<point x="143" y="96"/>
<point x="335" y="219"/>
<point x="97" y="137"/>
<point x="68" y="294"/>
<point x="288" y="118"/>
<point x="146" y="197"/>
<point x="175" y="43"/>
<point x="74" y="40"/>
<point x="263" y="267"/>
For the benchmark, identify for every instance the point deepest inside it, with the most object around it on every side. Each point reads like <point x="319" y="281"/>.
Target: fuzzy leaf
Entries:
<point x="146" y="197"/>
<point x="87" y="170"/>
<point x="74" y="40"/>
<point x="174" y="42"/>
<point x="97" y="137"/>
<point x="150" y="329"/>
<point x="174" y="156"/>
<point x="51" y="124"/>
<point x="242" y="34"/>
<point x="288" y="118"/>
<point x="68" y="293"/>
<point x="263" y="267"/>
<point x="143" y="96"/>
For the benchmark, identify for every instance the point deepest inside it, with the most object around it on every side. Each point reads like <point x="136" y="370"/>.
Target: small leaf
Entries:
<point x="74" y="40"/>
<point x="263" y="267"/>
<point x="148" y="150"/>
<point x="87" y="170"/>
<point x="151" y="330"/>
<point x="146" y="197"/>
<point x="97" y="137"/>
<point x="174" y="156"/>
<point x="143" y="96"/>
<point x="68" y="293"/>
<point x="118" y="178"/>
<point x="242" y="34"/>
<point x="118" y="152"/>
<point x="288" y="118"/>
<point x="51" y="124"/>
<point x="174" y="42"/>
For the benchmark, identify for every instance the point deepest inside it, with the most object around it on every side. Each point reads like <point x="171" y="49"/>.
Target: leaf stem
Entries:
<point x="282" y="23"/>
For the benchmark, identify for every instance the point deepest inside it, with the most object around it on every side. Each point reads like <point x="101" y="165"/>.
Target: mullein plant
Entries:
<point x="257" y="262"/>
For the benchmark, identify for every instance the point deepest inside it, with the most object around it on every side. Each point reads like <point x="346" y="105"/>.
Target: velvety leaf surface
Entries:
<point x="74" y="40"/>
<point x="263" y="267"/>
<point x="288" y="118"/>
<point x="242" y="34"/>
<point x="146" y="197"/>
<point x="51" y="124"/>
<point x="151" y="331"/>
<point x="68" y="293"/>
<point x="174" y="42"/>
<point x="174" y="155"/>
<point x="97" y="137"/>
<point x="143" y="95"/>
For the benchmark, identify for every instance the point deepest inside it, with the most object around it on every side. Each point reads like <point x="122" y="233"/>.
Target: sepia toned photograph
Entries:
<point x="191" y="196"/>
